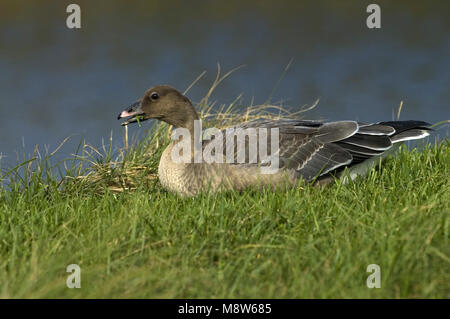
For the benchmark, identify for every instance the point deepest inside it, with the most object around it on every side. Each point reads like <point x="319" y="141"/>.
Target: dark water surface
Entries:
<point x="56" y="82"/>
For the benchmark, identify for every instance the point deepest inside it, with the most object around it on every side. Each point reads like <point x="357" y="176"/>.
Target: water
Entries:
<point x="56" y="82"/>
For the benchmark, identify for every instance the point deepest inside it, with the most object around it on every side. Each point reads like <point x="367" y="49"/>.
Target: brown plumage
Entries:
<point x="311" y="150"/>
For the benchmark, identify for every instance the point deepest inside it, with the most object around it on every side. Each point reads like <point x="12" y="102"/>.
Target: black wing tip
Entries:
<point x="401" y="126"/>
<point x="406" y="122"/>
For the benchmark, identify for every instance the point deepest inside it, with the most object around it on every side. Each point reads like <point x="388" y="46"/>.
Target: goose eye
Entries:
<point x="154" y="96"/>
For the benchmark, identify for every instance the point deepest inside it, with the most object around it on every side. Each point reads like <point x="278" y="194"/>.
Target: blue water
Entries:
<point x="56" y="82"/>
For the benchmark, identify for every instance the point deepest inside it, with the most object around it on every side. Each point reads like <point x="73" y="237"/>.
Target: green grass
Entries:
<point x="302" y="243"/>
<point x="132" y="239"/>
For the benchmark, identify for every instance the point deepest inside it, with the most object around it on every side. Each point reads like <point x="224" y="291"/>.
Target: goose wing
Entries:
<point x="311" y="148"/>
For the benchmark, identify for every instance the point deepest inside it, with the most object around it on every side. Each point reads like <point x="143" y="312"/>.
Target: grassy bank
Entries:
<point x="109" y="215"/>
<point x="305" y="242"/>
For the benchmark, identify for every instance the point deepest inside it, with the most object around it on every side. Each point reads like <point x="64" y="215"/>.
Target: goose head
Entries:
<point x="163" y="103"/>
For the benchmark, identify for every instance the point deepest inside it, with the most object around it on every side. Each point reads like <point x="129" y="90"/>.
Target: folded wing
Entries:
<point x="310" y="149"/>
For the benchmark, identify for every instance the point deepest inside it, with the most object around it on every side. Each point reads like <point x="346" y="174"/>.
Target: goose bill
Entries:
<point x="133" y="112"/>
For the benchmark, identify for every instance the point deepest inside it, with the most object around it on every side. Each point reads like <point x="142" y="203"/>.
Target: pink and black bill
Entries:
<point x="134" y="113"/>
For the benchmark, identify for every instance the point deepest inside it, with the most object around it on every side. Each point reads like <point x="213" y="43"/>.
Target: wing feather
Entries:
<point x="312" y="149"/>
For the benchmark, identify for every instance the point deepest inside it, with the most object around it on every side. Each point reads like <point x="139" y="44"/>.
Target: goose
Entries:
<point x="314" y="151"/>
